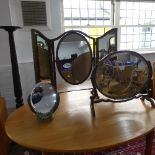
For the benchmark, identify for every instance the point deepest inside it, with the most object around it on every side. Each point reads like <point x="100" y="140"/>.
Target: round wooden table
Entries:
<point x="73" y="129"/>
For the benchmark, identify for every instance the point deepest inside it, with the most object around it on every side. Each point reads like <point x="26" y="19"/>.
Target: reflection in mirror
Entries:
<point x="122" y="75"/>
<point x="43" y="58"/>
<point x="43" y="100"/>
<point x="74" y="58"/>
<point x="107" y="43"/>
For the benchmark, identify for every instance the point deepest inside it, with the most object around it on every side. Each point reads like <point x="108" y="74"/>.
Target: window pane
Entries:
<point x="76" y="22"/>
<point x="135" y="21"/>
<point x="67" y="12"/>
<point x="107" y="4"/>
<point x="122" y="21"/>
<point x="84" y="13"/>
<point x="137" y="13"/>
<point x="92" y="22"/>
<point x="137" y="37"/>
<point x="91" y="13"/>
<point x="129" y="5"/>
<point x="123" y="38"/>
<point x="123" y="5"/>
<point x="99" y="22"/>
<point x="123" y="30"/>
<point x="91" y="4"/>
<point x="67" y="22"/>
<point x="107" y="22"/>
<point x="83" y="4"/>
<point x="129" y="21"/>
<point x="75" y="13"/>
<point x="99" y="4"/>
<point x="67" y="3"/>
<point x="123" y="46"/>
<point x="99" y="13"/>
<point x="153" y="44"/>
<point x="129" y="45"/>
<point x="129" y="38"/>
<point x="75" y="4"/>
<point x="135" y="45"/>
<point x="84" y="22"/>
<point x="87" y="13"/>
<point x="122" y="13"/>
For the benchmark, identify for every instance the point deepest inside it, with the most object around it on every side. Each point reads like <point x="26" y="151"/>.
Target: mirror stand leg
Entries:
<point x="92" y="107"/>
<point x="148" y="99"/>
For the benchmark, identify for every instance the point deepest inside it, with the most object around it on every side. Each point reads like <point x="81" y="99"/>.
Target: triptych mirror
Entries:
<point x="73" y="53"/>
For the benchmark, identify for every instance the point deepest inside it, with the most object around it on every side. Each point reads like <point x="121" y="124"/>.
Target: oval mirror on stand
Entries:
<point x="43" y="100"/>
<point x="121" y="75"/>
<point x="74" y="58"/>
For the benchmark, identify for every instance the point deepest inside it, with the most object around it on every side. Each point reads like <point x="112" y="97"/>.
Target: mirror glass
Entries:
<point x="74" y="58"/>
<point x="43" y="58"/>
<point x="43" y="100"/>
<point x="107" y="43"/>
<point x="122" y="75"/>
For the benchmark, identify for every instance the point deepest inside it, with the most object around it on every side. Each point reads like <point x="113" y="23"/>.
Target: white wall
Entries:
<point x="4" y="20"/>
<point x="23" y="48"/>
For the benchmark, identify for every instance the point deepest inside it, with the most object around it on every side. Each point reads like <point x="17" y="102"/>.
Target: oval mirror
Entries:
<point x="74" y="58"/>
<point x="43" y="100"/>
<point x="121" y="75"/>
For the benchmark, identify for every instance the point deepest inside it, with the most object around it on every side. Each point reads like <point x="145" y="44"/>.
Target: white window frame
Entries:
<point x="89" y="26"/>
<point x="117" y="24"/>
<point x="115" y="16"/>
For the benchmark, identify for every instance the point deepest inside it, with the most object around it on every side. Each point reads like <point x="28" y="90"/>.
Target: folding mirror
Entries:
<point x="121" y="75"/>
<point x="107" y="43"/>
<point x="74" y="57"/>
<point x="43" y="58"/>
<point x="43" y="100"/>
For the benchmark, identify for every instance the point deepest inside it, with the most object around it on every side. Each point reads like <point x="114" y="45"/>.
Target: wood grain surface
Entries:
<point x="4" y="140"/>
<point x="73" y="129"/>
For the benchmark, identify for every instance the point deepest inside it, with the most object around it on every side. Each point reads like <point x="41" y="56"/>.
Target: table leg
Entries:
<point x="149" y="143"/>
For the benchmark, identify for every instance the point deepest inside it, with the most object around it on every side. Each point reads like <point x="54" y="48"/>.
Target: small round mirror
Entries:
<point x="43" y="100"/>
<point x="74" y="57"/>
<point x="121" y="75"/>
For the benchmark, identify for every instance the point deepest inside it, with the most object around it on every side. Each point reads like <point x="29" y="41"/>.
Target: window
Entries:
<point x="88" y="16"/>
<point x="137" y="23"/>
<point x="135" y="20"/>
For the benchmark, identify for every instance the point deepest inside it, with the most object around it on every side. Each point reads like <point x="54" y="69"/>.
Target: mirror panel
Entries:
<point x="74" y="58"/>
<point x="122" y="75"/>
<point x="43" y="100"/>
<point x="107" y="43"/>
<point x="43" y="57"/>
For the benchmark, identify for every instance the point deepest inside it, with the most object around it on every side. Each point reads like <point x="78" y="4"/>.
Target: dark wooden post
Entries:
<point x="15" y="69"/>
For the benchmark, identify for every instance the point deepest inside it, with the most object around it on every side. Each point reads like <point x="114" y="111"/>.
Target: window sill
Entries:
<point x="146" y="52"/>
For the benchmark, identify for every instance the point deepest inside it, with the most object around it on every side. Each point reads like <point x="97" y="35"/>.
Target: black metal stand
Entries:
<point x="95" y="99"/>
<point x="15" y="69"/>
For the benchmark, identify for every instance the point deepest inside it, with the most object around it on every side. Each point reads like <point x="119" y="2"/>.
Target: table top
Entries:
<point x="74" y="129"/>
